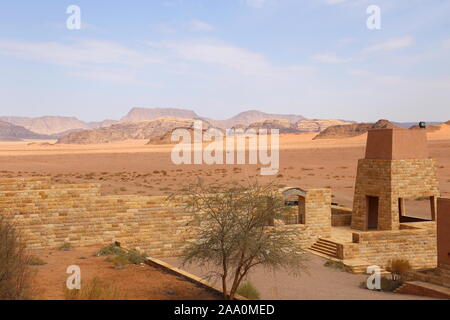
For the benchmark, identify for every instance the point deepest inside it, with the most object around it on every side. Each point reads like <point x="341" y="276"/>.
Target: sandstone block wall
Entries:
<point x="390" y="180"/>
<point x="341" y="216"/>
<point x="415" y="242"/>
<point x="49" y="215"/>
<point x="318" y="211"/>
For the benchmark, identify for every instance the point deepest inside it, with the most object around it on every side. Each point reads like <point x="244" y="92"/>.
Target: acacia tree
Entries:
<point x="234" y="233"/>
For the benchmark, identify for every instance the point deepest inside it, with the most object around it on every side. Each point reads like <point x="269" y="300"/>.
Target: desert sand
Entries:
<point x="134" y="282"/>
<point x="133" y="167"/>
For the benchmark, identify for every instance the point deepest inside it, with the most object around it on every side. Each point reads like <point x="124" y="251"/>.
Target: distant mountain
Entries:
<point x="352" y="130"/>
<point x="248" y="117"/>
<point x="166" y="138"/>
<point x="101" y="124"/>
<point x="128" y="130"/>
<point x="60" y="126"/>
<point x="318" y="125"/>
<point x="11" y="132"/>
<point x="47" y="125"/>
<point x="143" y="114"/>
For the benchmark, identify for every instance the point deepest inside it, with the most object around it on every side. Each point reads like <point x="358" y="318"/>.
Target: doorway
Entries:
<point x="372" y="213"/>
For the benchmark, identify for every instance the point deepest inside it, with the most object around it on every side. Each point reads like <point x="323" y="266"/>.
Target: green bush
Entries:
<point x="249" y="291"/>
<point x="339" y="265"/>
<point x="110" y="250"/>
<point x="120" y="260"/>
<point x="135" y="257"/>
<point x="66" y="246"/>
<point x="121" y="257"/>
<point x="389" y="285"/>
<point x="36" y="261"/>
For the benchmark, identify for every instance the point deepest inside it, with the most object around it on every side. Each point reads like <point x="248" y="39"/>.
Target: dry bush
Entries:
<point x="15" y="274"/>
<point x="94" y="290"/>
<point x="398" y="267"/>
<point x="249" y="291"/>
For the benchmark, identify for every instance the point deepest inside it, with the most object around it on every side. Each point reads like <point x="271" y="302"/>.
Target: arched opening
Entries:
<point x="295" y="198"/>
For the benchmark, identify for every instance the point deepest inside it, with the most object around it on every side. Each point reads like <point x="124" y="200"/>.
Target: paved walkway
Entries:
<point x="322" y="283"/>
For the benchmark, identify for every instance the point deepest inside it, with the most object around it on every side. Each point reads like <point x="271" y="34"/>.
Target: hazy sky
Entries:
<point x="220" y="57"/>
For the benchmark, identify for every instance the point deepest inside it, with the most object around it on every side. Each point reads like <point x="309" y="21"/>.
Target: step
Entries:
<point x="326" y="252"/>
<point x="326" y="245"/>
<point x="424" y="289"/>
<point x="328" y="241"/>
<point x="329" y="251"/>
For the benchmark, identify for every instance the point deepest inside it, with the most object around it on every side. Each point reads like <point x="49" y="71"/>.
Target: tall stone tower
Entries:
<point x="396" y="167"/>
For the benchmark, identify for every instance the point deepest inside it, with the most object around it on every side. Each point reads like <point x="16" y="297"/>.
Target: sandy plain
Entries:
<point x="133" y="167"/>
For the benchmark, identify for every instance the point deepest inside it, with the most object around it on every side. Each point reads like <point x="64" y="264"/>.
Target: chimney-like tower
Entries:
<point x="396" y="166"/>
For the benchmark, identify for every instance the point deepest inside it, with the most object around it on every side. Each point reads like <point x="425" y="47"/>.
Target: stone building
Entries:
<point x="396" y="167"/>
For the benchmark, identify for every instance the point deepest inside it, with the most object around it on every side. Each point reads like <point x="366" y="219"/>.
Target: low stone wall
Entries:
<point x="341" y="216"/>
<point x="416" y="243"/>
<point x="49" y="215"/>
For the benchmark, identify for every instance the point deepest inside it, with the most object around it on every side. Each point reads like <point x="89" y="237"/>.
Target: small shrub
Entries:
<point x="249" y="291"/>
<point x="15" y="274"/>
<point x="121" y="257"/>
<point x="135" y="257"/>
<point x="120" y="260"/>
<point x="94" y="290"/>
<point x="110" y="250"/>
<point x="66" y="246"/>
<point x="390" y="285"/>
<point x="398" y="267"/>
<point x="36" y="261"/>
<point x="338" y="265"/>
<point x="387" y="285"/>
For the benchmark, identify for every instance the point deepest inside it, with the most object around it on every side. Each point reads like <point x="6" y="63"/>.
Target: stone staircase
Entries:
<point x="424" y="289"/>
<point x="325" y="247"/>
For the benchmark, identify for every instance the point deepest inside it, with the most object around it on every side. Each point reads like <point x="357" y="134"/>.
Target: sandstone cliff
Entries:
<point x="124" y="131"/>
<point x="11" y="132"/>
<point x="248" y="117"/>
<point x="318" y="125"/>
<point x="352" y="130"/>
<point x="143" y="114"/>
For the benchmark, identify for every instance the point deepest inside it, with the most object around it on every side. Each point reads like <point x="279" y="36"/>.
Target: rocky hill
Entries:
<point x="61" y="126"/>
<point x="318" y="125"/>
<point x="352" y="130"/>
<point x="167" y="137"/>
<point x="47" y="125"/>
<point x="284" y="126"/>
<point x="129" y="130"/>
<point x="248" y="117"/>
<point x="11" y="132"/>
<point x="143" y="114"/>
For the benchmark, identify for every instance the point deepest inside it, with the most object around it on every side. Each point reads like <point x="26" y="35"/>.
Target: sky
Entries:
<point x="316" y="58"/>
